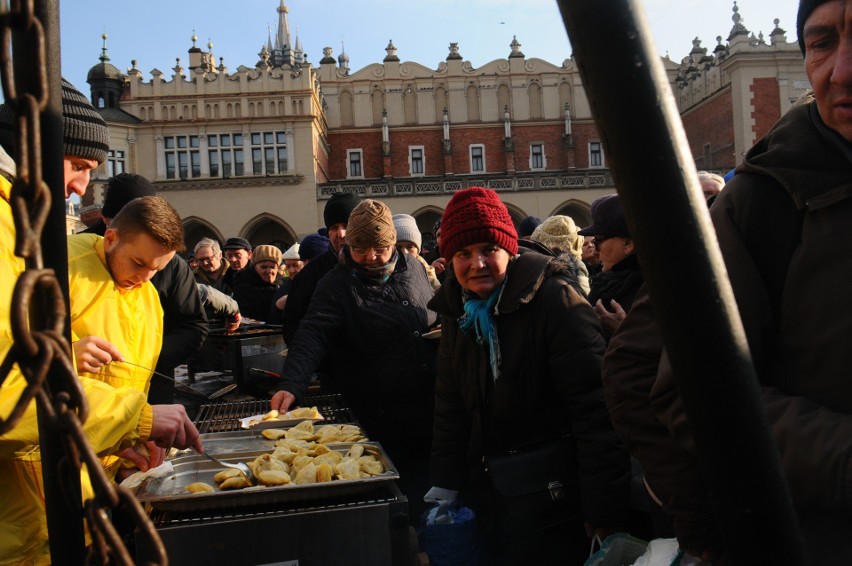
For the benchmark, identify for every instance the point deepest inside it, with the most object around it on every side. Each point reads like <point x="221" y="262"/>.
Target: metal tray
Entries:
<point x="168" y="493"/>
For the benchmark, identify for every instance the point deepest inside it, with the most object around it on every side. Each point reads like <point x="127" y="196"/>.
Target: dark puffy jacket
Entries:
<point x="620" y="284"/>
<point x="551" y="346"/>
<point x="783" y="224"/>
<point x="184" y="324"/>
<point x="372" y="336"/>
<point x="302" y="289"/>
<point x="253" y="294"/>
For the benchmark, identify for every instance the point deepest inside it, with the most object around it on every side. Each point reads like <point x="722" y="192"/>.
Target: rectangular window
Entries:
<point x="225" y="155"/>
<point x="226" y="163"/>
<point x="596" y="156"/>
<point x="170" y="165"/>
<point x="115" y="162"/>
<point x="195" y="162"/>
<point x="537" y="156"/>
<point x="183" y="159"/>
<point x="416" y="160"/>
<point x="256" y="162"/>
<point x="477" y="159"/>
<point x="239" y="168"/>
<point x="355" y="170"/>
<point x="214" y="163"/>
<point x="268" y="152"/>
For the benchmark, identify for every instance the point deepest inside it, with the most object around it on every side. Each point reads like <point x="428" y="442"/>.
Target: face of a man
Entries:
<point x="337" y="236"/>
<point x="828" y="63"/>
<point x="238" y="259"/>
<point x="78" y="172"/>
<point x="135" y="259"/>
<point x="612" y="249"/>
<point x="294" y="266"/>
<point x="480" y="268"/>
<point x="207" y="260"/>
<point x="268" y="270"/>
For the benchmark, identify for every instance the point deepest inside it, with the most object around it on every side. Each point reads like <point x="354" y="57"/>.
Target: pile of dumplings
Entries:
<point x="301" y="456"/>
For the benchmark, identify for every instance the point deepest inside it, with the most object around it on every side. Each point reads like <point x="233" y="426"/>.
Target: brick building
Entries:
<point x="256" y="152"/>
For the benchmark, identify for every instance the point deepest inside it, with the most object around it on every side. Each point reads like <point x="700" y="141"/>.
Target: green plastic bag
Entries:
<point x="619" y="549"/>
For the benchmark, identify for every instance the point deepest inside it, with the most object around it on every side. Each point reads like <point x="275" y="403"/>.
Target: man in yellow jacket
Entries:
<point x="116" y="314"/>
<point x="119" y="417"/>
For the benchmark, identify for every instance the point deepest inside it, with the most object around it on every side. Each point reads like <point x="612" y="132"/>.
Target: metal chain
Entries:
<point x="40" y="346"/>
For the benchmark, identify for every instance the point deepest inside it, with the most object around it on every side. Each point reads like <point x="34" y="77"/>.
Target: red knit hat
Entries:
<point x="476" y="215"/>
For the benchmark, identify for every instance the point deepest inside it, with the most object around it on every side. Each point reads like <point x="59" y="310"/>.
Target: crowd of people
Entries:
<point x="547" y="404"/>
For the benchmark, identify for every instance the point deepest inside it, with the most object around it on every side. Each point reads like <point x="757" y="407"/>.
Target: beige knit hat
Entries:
<point x="370" y="225"/>
<point x="266" y="253"/>
<point x="559" y="233"/>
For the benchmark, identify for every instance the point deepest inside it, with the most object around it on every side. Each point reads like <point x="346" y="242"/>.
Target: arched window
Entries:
<point x="347" y="117"/>
<point x="378" y="102"/>
<point x="534" y="92"/>
<point x="472" y="103"/>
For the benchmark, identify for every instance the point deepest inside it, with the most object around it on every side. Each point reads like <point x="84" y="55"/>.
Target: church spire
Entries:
<point x="283" y="39"/>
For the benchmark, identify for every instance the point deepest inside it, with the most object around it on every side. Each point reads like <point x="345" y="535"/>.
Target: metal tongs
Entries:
<point x="246" y="471"/>
<point x="215" y="395"/>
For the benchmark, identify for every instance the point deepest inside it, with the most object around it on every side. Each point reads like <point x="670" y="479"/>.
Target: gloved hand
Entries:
<point x="444" y="500"/>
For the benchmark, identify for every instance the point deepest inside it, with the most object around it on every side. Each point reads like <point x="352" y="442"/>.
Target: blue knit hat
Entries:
<point x="312" y="246"/>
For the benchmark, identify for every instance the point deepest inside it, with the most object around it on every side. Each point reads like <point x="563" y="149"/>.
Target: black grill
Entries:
<point x="225" y="417"/>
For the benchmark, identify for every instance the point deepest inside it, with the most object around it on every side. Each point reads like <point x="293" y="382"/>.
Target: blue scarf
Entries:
<point x="478" y="321"/>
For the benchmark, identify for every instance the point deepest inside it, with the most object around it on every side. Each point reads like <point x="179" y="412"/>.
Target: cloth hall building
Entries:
<point x="256" y="151"/>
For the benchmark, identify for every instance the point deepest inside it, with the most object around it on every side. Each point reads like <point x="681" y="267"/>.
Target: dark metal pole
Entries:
<point x="656" y="179"/>
<point x="64" y="510"/>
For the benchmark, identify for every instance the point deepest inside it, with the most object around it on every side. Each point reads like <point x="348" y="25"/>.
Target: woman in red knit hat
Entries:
<point x="518" y="398"/>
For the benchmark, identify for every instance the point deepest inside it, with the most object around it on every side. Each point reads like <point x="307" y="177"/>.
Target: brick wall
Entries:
<point x="712" y="122"/>
<point x="557" y="156"/>
<point x="766" y="105"/>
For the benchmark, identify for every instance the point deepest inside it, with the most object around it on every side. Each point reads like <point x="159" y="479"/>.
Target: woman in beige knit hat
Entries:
<point x="255" y="287"/>
<point x="559" y="233"/>
<point x="367" y="319"/>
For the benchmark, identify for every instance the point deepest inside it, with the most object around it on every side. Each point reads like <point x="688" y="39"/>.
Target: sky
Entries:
<point x="155" y="32"/>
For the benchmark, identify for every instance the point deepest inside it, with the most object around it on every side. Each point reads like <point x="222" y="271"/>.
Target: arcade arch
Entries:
<point x="267" y="228"/>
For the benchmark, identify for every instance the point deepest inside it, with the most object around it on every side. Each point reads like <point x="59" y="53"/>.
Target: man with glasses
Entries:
<point x="212" y="269"/>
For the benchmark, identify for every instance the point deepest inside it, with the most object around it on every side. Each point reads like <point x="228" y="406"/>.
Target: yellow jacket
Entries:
<point x="131" y="320"/>
<point x="118" y="418"/>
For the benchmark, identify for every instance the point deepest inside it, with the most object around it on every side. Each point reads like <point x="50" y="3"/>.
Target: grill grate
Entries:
<point x="382" y="496"/>
<point x="225" y="417"/>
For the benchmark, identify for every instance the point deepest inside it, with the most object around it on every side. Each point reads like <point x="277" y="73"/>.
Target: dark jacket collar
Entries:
<point x="803" y="156"/>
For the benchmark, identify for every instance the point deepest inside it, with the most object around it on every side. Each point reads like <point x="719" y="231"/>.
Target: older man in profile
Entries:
<point x="784" y="224"/>
<point x="212" y="269"/>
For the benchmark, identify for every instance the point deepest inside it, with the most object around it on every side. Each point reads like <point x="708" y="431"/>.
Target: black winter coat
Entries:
<point x="184" y="324"/>
<point x="551" y="347"/>
<point x="372" y="336"/>
<point x="253" y="294"/>
<point x="302" y="289"/>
